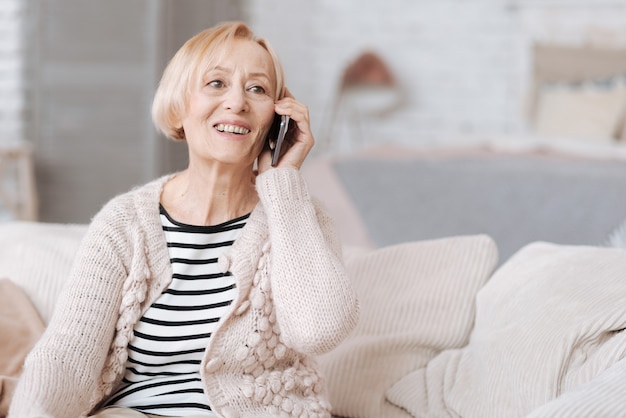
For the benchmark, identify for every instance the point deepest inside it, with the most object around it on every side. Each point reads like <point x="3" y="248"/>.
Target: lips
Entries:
<point x="239" y="130"/>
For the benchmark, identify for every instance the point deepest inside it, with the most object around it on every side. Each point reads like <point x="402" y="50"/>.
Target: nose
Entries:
<point x="235" y="99"/>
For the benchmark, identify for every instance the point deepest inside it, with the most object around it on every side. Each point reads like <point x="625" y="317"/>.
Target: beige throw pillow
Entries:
<point x="590" y="110"/>
<point x="416" y="300"/>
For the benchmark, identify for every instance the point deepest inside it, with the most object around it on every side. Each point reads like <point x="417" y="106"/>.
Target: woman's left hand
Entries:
<point x="299" y="140"/>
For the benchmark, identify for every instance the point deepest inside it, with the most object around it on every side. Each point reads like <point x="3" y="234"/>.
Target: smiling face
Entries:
<point x="229" y="113"/>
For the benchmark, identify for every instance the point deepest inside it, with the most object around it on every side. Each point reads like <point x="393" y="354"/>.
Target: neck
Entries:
<point x="210" y="196"/>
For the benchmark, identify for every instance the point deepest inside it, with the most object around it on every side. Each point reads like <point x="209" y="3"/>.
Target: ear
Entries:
<point x="180" y="134"/>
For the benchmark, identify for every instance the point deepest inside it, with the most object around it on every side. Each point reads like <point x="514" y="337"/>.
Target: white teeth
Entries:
<point x="232" y="129"/>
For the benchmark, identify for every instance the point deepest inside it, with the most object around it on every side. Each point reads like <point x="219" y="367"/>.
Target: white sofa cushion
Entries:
<point x="37" y="257"/>
<point x="416" y="299"/>
<point x="550" y="319"/>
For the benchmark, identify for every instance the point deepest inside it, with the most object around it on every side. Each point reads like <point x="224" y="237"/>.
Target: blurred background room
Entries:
<point x="380" y="77"/>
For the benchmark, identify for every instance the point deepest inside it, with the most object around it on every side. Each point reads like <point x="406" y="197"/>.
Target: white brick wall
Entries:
<point x="464" y="65"/>
<point x="11" y="94"/>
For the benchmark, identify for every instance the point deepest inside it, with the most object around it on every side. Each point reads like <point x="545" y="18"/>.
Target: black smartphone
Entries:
<point x="277" y="136"/>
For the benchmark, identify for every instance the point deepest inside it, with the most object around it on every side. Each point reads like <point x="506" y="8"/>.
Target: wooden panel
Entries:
<point x="562" y="63"/>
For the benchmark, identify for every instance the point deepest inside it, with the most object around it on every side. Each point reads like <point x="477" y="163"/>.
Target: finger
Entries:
<point x="295" y="110"/>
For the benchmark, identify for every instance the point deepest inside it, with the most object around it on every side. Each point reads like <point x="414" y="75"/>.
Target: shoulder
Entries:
<point x="135" y="202"/>
<point x="134" y="210"/>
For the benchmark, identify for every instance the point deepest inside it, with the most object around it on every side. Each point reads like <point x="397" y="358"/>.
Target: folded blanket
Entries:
<point x="20" y="328"/>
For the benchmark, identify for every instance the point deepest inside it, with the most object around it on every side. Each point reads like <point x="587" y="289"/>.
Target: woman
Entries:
<point x="210" y="291"/>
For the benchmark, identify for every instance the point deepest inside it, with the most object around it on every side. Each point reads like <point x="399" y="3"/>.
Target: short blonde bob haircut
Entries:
<point x="185" y="70"/>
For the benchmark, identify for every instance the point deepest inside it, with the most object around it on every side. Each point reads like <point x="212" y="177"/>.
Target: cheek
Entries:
<point x="267" y="122"/>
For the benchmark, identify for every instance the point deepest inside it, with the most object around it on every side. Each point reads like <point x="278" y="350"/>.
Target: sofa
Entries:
<point x="449" y="326"/>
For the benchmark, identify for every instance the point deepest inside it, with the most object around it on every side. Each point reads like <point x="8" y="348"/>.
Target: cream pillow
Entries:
<point x="37" y="256"/>
<point x="416" y="299"/>
<point x="550" y="319"/>
<point x="591" y="110"/>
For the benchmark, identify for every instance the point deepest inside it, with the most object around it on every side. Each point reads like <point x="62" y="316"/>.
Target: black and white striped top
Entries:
<point x="163" y="369"/>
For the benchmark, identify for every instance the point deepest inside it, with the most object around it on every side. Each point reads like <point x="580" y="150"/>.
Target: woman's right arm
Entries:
<point x="62" y="371"/>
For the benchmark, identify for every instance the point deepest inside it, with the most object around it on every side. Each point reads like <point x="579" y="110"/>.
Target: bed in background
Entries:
<point x="391" y="195"/>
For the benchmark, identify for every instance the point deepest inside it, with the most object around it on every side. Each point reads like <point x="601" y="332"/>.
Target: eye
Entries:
<point x="216" y="83"/>
<point x="257" y="89"/>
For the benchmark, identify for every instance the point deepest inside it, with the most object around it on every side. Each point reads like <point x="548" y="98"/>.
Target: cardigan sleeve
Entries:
<point x="62" y="372"/>
<point x="315" y="303"/>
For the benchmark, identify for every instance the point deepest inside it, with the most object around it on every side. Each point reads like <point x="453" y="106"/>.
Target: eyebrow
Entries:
<point x="227" y="70"/>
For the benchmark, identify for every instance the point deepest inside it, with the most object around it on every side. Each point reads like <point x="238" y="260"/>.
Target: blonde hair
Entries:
<point x="187" y="66"/>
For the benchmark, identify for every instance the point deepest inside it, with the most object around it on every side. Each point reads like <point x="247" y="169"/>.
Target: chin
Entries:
<point x="239" y="160"/>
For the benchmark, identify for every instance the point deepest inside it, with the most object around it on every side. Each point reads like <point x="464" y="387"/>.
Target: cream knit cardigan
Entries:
<point x="294" y="301"/>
